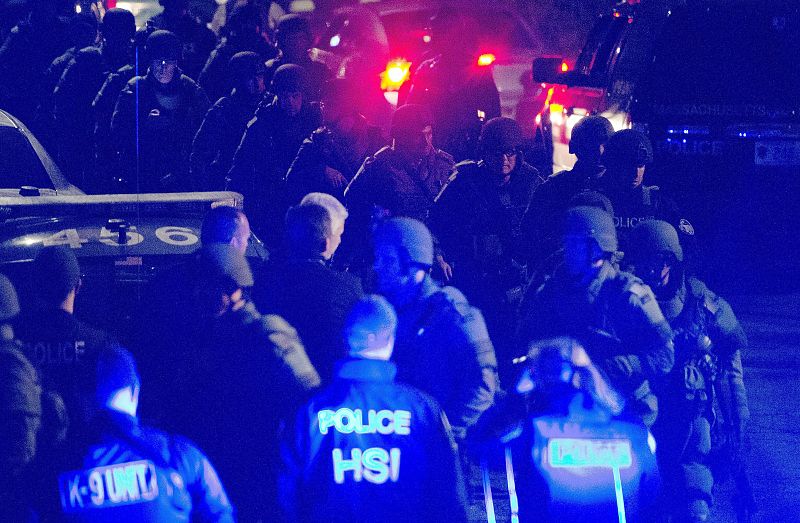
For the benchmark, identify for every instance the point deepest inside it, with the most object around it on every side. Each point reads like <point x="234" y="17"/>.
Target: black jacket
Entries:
<point x="168" y="118"/>
<point x="217" y="139"/>
<point x="64" y="350"/>
<point x="315" y="300"/>
<point x="402" y="466"/>
<point x="156" y="476"/>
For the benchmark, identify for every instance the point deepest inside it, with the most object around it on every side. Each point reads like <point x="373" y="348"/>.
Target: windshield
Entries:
<point x="19" y="164"/>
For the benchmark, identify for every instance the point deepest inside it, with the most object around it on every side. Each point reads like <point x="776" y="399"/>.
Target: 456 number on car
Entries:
<point x="170" y="234"/>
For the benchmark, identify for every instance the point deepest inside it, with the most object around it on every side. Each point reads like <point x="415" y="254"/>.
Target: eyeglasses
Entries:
<point x="508" y="153"/>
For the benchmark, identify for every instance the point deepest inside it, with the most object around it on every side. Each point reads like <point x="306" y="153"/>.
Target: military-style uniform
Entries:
<point x="619" y="322"/>
<point x="541" y="225"/>
<point x="268" y="147"/>
<point x="444" y="349"/>
<point x="398" y="188"/>
<point x="158" y="138"/>
<point x="708" y="345"/>
<point x="218" y="137"/>
<point x="63" y="350"/>
<point x="478" y="225"/>
<point x="326" y="148"/>
<point x="123" y="471"/>
<point x="647" y="202"/>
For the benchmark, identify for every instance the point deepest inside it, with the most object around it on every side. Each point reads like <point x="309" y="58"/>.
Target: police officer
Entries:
<point x="477" y="219"/>
<point x="572" y="456"/>
<point x="58" y="344"/>
<point x="443" y="346"/>
<point x="294" y="39"/>
<point x="460" y="95"/>
<point x="20" y="421"/>
<point x="709" y="342"/>
<point x="402" y="179"/>
<point x="367" y="448"/>
<point x="241" y="373"/>
<point x="224" y="124"/>
<point x="331" y="156"/>
<point x="243" y="33"/>
<point x="155" y="120"/>
<point x="552" y="198"/>
<point x="269" y="145"/>
<point x="197" y="40"/>
<point x="610" y="312"/>
<point x="119" y="470"/>
<point x="626" y="156"/>
<point x="77" y="89"/>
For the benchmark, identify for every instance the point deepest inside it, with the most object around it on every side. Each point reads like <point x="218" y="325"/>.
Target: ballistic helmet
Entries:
<point x="590" y="222"/>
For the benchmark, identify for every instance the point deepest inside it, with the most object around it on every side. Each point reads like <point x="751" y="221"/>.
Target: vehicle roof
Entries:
<point x="117" y="204"/>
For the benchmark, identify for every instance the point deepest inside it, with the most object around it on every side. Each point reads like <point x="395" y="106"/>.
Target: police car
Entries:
<point x="507" y="43"/>
<point x="25" y="167"/>
<point x="601" y="80"/>
<point x="121" y="242"/>
<point x="719" y="102"/>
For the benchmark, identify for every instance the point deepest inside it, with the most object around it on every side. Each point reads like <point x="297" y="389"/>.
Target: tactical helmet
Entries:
<point x="290" y="78"/>
<point x="627" y="149"/>
<point x="291" y="24"/>
<point x="410" y="118"/>
<point x="409" y="236"/>
<point x="652" y="237"/>
<point x="592" y="199"/>
<point x="500" y="134"/>
<point x="118" y="23"/>
<point x="589" y="134"/>
<point x="591" y="222"/>
<point x="245" y="66"/>
<point x="164" y="45"/>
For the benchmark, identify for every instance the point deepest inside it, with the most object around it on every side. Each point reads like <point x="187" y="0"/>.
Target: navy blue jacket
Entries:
<point x="369" y="449"/>
<point x="126" y="472"/>
<point x="564" y="462"/>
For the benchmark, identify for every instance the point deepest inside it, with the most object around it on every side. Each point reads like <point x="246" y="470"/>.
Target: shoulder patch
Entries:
<point x="686" y="227"/>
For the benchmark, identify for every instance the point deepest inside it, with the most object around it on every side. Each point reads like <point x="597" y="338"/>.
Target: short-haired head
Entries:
<point x="225" y="224"/>
<point x="56" y="273"/>
<point x="370" y="328"/>
<point x="307" y="228"/>
<point x="336" y="210"/>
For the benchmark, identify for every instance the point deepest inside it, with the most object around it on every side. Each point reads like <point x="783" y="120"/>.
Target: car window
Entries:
<point x="600" y="52"/>
<point x="703" y="56"/>
<point x="19" y="164"/>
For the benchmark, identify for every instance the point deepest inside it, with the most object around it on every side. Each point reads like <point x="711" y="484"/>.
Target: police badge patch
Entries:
<point x="686" y="227"/>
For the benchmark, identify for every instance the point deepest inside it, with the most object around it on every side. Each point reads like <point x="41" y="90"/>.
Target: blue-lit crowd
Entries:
<point x="441" y="332"/>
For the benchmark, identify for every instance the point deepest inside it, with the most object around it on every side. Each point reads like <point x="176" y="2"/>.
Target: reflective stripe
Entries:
<point x="620" y="498"/>
<point x="512" y="487"/>
<point x="487" y="492"/>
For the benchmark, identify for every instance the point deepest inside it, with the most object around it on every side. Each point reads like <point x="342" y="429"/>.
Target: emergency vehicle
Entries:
<point x="719" y="103"/>
<point x="601" y="80"/>
<point x="121" y="241"/>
